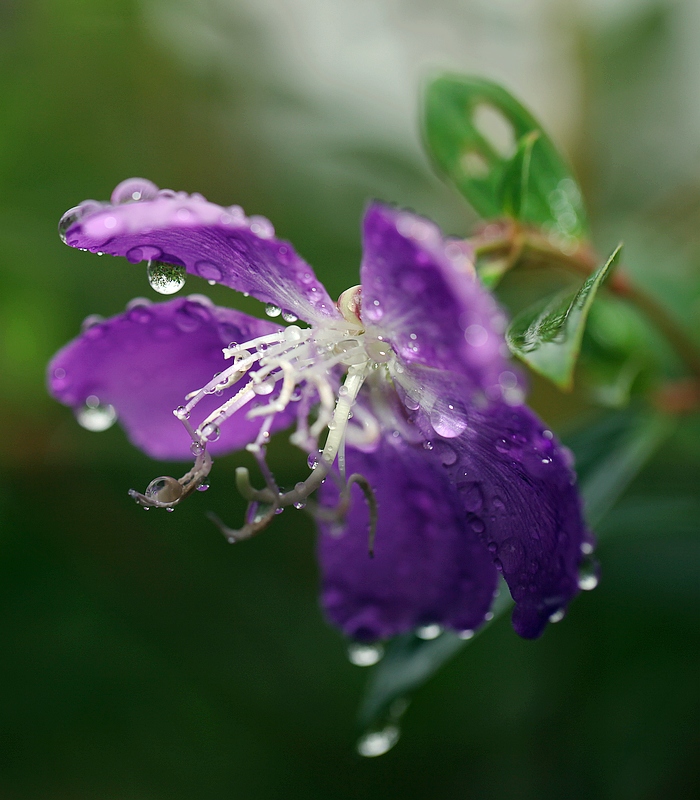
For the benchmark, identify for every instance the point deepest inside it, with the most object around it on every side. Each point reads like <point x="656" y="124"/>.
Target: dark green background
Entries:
<point x="142" y="656"/>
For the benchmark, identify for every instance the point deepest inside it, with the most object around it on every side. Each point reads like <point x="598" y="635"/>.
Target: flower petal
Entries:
<point x="517" y="487"/>
<point x="143" y="362"/>
<point x="428" y="567"/>
<point x="420" y="290"/>
<point x="215" y="243"/>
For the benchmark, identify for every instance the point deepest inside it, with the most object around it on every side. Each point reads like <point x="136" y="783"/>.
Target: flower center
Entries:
<point x="320" y="371"/>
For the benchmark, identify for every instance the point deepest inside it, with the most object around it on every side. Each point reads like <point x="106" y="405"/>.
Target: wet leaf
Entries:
<point x="409" y="662"/>
<point x="497" y="155"/>
<point x="548" y="335"/>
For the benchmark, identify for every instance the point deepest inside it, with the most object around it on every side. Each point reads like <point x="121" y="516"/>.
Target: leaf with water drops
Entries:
<point x="411" y="660"/>
<point x="548" y="335"/>
<point x="496" y="153"/>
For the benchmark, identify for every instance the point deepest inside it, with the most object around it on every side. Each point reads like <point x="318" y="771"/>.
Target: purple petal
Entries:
<point x="421" y="293"/>
<point x="428" y="566"/>
<point x="518" y="491"/>
<point x="215" y="243"/>
<point x="143" y="362"/>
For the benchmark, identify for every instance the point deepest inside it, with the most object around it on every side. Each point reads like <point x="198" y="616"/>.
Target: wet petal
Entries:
<point x="143" y="362"/>
<point x="428" y="566"/>
<point x="517" y="489"/>
<point x="217" y="244"/>
<point x="420" y="290"/>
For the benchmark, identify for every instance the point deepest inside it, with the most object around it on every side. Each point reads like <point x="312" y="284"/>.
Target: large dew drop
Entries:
<point x="164" y="489"/>
<point x="365" y="655"/>
<point x="165" y="278"/>
<point x="376" y="743"/>
<point x="94" y="416"/>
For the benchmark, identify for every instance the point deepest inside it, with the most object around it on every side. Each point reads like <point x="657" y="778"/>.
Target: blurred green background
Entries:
<point x="143" y="657"/>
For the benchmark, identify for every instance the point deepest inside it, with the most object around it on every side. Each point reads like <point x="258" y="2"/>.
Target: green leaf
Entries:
<point x="409" y="662"/>
<point x="547" y="336"/>
<point x="498" y="156"/>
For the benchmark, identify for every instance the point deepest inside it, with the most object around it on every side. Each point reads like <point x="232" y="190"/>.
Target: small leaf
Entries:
<point x="498" y="156"/>
<point x="547" y="336"/>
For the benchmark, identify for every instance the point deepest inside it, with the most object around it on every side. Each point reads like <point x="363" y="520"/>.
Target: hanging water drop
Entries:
<point x="96" y="416"/>
<point x="165" y="278"/>
<point x="588" y="575"/>
<point x="210" y="432"/>
<point x="272" y="310"/>
<point x="365" y="655"/>
<point x="376" y="743"/>
<point x="428" y="632"/>
<point x="164" y="489"/>
<point x="264" y="387"/>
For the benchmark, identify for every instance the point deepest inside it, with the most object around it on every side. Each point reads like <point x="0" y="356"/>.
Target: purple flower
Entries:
<point x="401" y="394"/>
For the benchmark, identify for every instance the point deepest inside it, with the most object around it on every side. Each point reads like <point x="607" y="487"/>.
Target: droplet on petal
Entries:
<point x="272" y="310"/>
<point x="132" y="190"/>
<point x="365" y="655"/>
<point x="165" y="278"/>
<point x="96" y="416"/>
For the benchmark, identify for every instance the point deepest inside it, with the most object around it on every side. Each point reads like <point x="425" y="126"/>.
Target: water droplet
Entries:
<point x="59" y="373"/>
<point x="132" y="190"/>
<point x="207" y="270"/>
<point x="429" y="632"/>
<point x="95" y="416"/>
<point x="428" y="445"/>
<point x="365" y="655"/>
<point x="139" y="312"/>
<point x="292" y="333"/>
<point x="272" y="310"/>
<point x="264" y="387"/>
<point x="476" y="335"/>
<point x="182" y="413"/>
<point x="378" y="351"/>
<point x="165" y="278"/>
<point x="313" y="459"/>
<point x="472" y="496"/>
<point x="588" y="575"/>
<point x="203" y="487"/>
<point x="342" y="392"/>
<point x="210" y="432"/>
<point x="74" y="215"/>
<point x="586" y="548"/>
<point x="449" y="420"/>
<point x="288" y="316"/>
<point x="557" y="616"/>
<point x="376" y="743"/>
<point x="447" y="454"/>
<point x="466" y="634"/>
<point x="196" y="448"/>
<point x="164" y="489"/>
<point x="90" y="322"/>
<point x="492" y="547"/>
